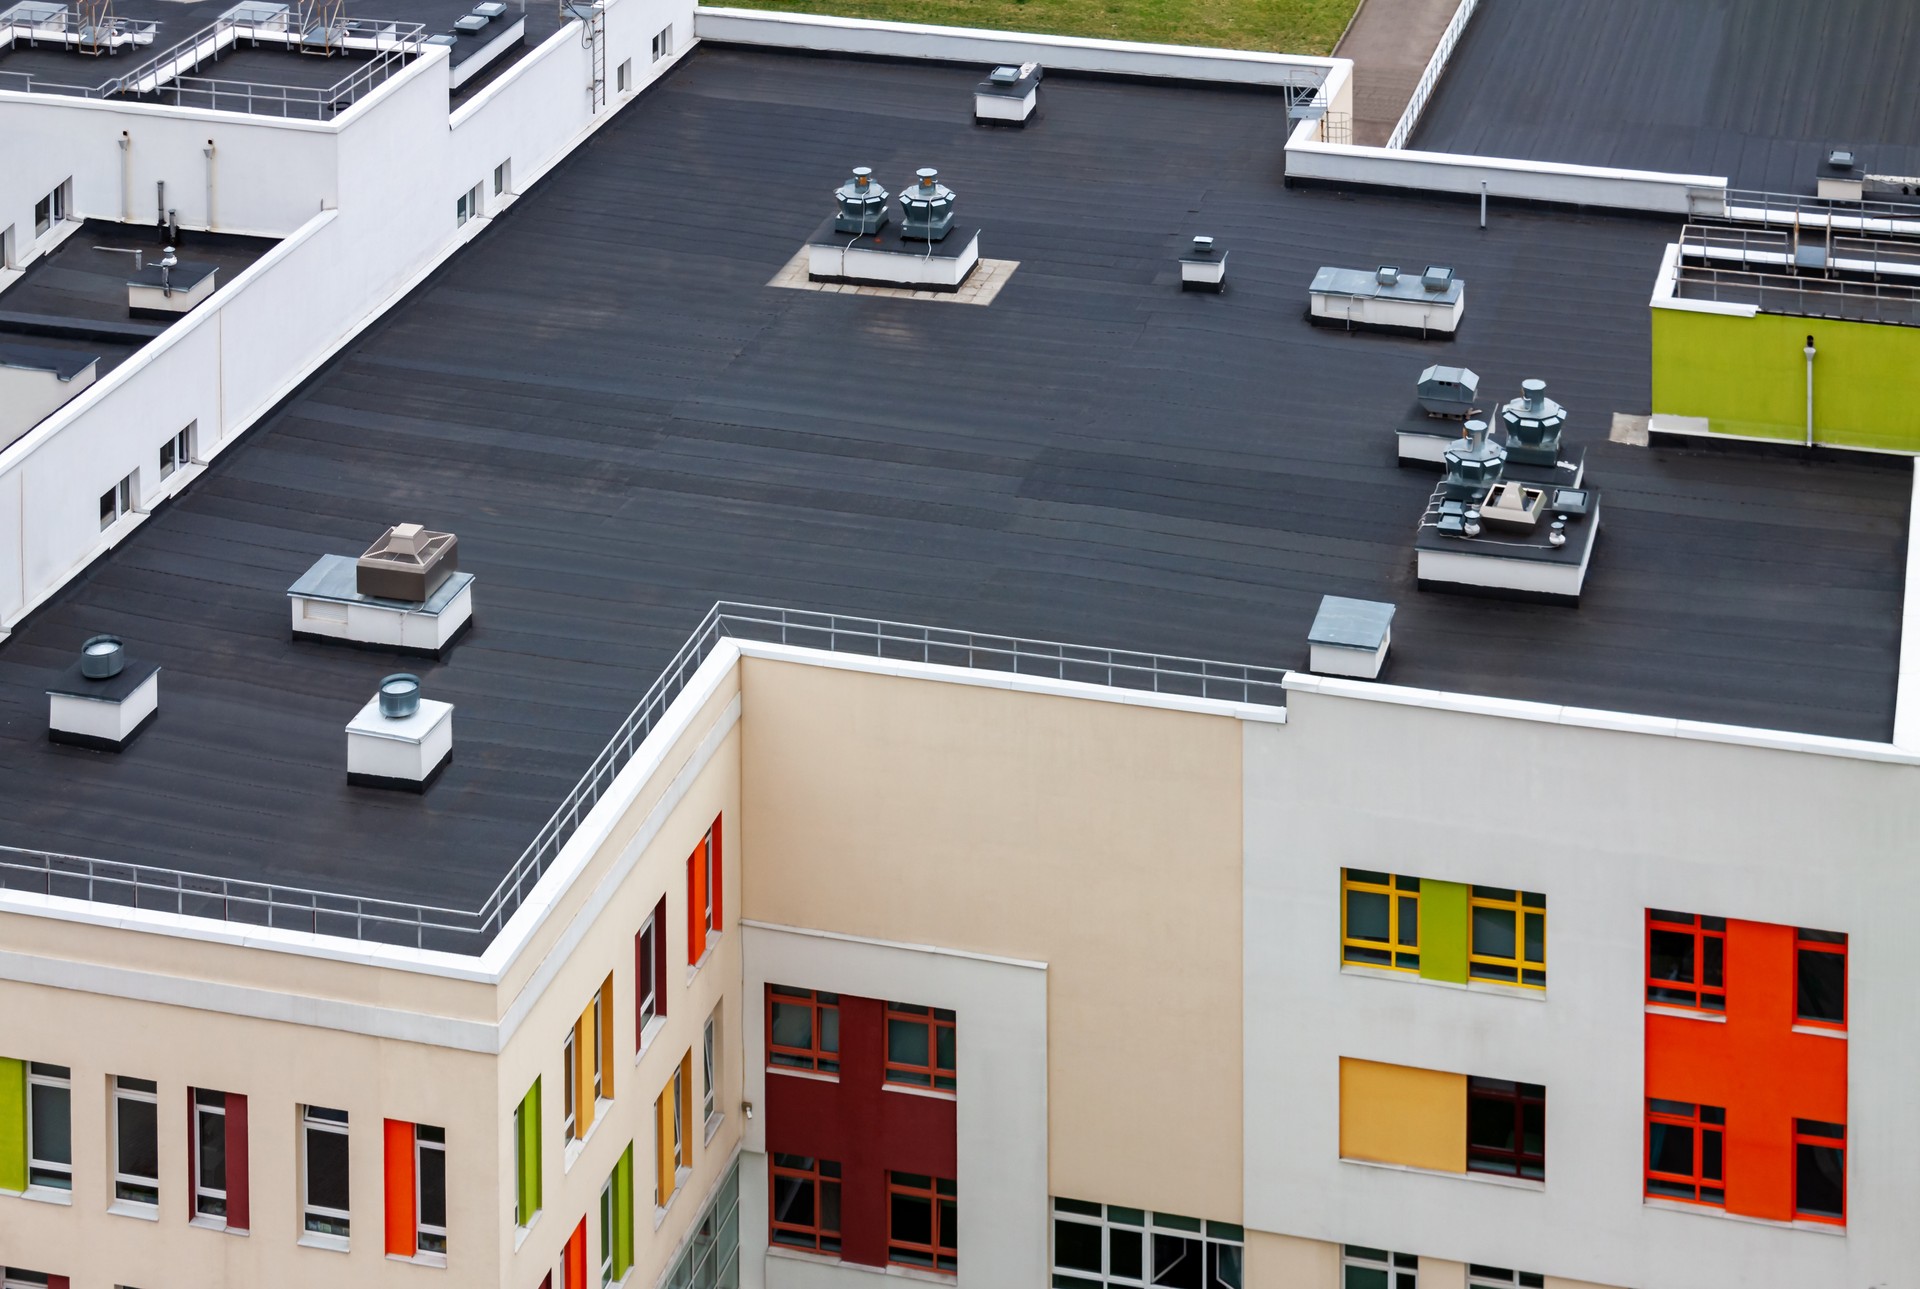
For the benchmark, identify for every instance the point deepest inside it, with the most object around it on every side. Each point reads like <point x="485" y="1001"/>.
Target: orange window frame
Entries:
<point x="933" y="1075"/>
<point x="819" y="1237"/>
<point x="1805" y="941"/>
<point x="1709" y="1190"/>
<point x="1808" y="1132"/>
<point x="706" y="880"/>
<point x="817" y="1058"/>
<point x="939" y="1255"/>
<point x="1705" y="931"/>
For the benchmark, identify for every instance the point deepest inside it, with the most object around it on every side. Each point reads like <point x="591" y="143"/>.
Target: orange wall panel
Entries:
<point x="401" y="1233"/>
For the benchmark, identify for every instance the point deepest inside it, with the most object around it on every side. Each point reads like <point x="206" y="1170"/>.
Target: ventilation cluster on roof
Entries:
<point x="859" y="245"/>
<point x="405" y="592"/>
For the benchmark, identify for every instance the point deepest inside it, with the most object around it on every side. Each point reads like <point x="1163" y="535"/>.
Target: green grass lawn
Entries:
<point x="1282" y="26"/>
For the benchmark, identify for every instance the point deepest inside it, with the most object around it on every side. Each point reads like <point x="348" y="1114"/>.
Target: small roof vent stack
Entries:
<point x="103" y="699"/>
<point x="399" y="739"/>
<point x="1474" y="464"/>
<point x="926" y="209"/>
<point x="1350" y="637"/>
<point x="1438" y="277"/>
<point x="863" y="204"/>
<point x="1203" y="267"/>
<point x="1387" y="275"/>
<point x="1533" y="423"/>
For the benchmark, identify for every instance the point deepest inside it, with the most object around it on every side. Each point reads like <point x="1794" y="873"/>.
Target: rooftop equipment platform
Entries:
<point x="1428" y="305"/>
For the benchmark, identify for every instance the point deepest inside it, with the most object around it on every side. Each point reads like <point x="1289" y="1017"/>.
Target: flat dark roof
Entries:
<point x="1756" y="90"/>
<point x="623" y="423"/>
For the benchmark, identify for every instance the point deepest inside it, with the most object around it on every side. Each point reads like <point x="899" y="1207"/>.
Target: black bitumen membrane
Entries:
<point x="624" y="423"/>
<point x="1756" y="90"/>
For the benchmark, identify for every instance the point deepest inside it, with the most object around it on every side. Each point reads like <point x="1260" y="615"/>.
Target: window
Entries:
<point x="649" y="971"/>
<point x="806" y="1203"/>
<point x="217" y="1158"/>
<point x="526" y="1157"/>
<point x="573" y="1258"/>
<point x="502" y="176"/>
<point x="136" y="1141"/>
<point x="710" y="1072"/>
<point x="430" y="1151"/>
<point x="50" y="1126"/>
<point x="616" y="1221"/>
<point x="324" y="1198"/>
<point x="1686" y="960"/>
<point x="602" y="1028"/>
<point x="920" y="1046"/>
<point x="923" y="1226"/>
<point x="1506" y="1128"/>
<point x="712" y="1256"/>
<point x="1479" y="1277"/>
<point x="1364" y="1268"/>
<point x="587" y="1057"/>
<point x="704" y="877"/>
<point x="51" y="209"/>
<point x="606" y="1233"/>
<point x="1820" y="1171"/>
<point x="416" y="1192"/>
<point x="670" y="1114"/>
<point x="117" y="501"/>
<point x="1820" y="970"/>
<point x="1096" y="1246"/>
<point x="177" y="452"/>
<point x="468" y="207"/>
<point x="663" y="44"/>
<point x="623" y="76"/>
<point x="569" y="1063"/>
<point x="1685" y="1152"/>
<point x="803" y="1030"/>
<point x="1509" y="936"/>
<point x="6" y="247"/>
<point x="1380" y="919"/>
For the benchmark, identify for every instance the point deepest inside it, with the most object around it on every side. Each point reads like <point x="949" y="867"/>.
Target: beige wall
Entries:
<point x="1288" y="1262"/>
<point x="1102" y="839"/>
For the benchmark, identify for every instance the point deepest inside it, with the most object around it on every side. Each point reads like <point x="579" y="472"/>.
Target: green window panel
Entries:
<point x="13" y="1125"/>
<point x="1443" y="931"/>
<point x="526" y="1128"/>
<point x="623" y="1214"/>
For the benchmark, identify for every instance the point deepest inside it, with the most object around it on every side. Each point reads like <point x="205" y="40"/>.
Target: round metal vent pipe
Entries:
<point x="399" y="695"/>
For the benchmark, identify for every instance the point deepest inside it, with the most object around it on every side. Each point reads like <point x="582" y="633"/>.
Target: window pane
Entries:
<point x="793" y="1200"/>
<point x="1819" y="1181"/>
<point x="907" y="1042"/>
<point x="1076" y="1246"/>
<point x="911" y="1219"/>
<point x="433" y="1188"/>
<point x="1177" y="1262"/>
<point x="1493" y="932"/>
<point x="1365" y="1278"/>
<point x="52" y="1124"/>
<point x="945" y="1040"/>
<point x="1366" y="916"/>
<point x="1670" y="956"/>
<point x="1670" y="1149"/>
<point x="1409" y="928"/>
<point x="1124" y="1253"/>
<point x="1710" y="1156"/>
<point x="1490" y="1123"/>
<point x="792" y="1025"/>
<point x="213" y="1151"/>
<point x="139" y="1145"/>
<point x="1536" y="937"/>
<point x="1823" y="986"/>
<point x="1713" y="962"/>
<point x="830" y="1206"/>
<point x="327" y="1170"/>
<point x="830" y="1030"/>
<point x="1226" y="1266"/>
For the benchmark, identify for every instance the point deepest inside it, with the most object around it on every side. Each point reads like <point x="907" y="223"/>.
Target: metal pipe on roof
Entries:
<point x="1809" y="351"/>
<point x="208" y="151"/>
<point x="126" y="177"/>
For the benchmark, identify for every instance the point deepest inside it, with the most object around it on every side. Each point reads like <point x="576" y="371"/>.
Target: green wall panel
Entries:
<point x="623" y="1213"/>
<point x="1748" y="376"/>
<point x="1443" y="931"/>
<point x="13" y="1125"/>
<point x="528" y="1126"/>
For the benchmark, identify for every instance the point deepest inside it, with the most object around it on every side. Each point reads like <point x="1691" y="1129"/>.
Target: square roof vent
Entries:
<point x="407" y="563"/>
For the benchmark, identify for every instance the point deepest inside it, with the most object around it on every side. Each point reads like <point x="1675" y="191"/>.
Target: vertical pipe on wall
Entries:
<point x="126" y="177"/>
<point x="1809" y="351"/>
<point x="208" y="151"/>
<point x="1483" y="203"/>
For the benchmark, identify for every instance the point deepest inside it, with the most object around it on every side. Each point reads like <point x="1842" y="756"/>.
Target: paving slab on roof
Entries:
<point x="623" y="423"/>
<point x="1756" y="90"/>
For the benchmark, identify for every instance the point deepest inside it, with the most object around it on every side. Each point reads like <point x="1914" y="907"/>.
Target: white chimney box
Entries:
<point x="404" y="752"/>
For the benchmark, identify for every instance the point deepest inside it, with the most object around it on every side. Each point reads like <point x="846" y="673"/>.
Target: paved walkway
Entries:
<point x="1389" y="42"/>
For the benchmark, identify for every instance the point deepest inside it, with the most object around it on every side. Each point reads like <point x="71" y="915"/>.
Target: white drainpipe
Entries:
<point x="1809" y="351"/>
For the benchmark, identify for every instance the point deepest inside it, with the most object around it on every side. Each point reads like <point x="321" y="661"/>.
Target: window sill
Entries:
<point x="578" y="1145"/>
<point x="214" y="1224"/>
<point x="815" y="1075"/>
<point x="681" y="1176"/>
<point x="133" y="1208"/>
<point x="48" y="1195"/>
<point x="647" y="1035"/>
<point x="1487" y="1179"/>
<point x="421" y="1259"/>
<point x="712" y="1126"/>
<point x="693" y="969"/>
<point x="833" y="1260"/>
<point x="321" y="1240"/>
<point x="1709" y="1210"/>
<point x="907" y="1089"/>
<point x="520" y="1233"/>
<point x="1531" y="993"/>
<point x="1821" y="1031"/>
<point x="1686" y="1013"/>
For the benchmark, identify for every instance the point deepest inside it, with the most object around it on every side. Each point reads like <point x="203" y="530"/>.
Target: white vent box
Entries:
<point x="1008" y="95"/>
<point x="1203" y="267"/>
<point x="1431" y="304"/>
<point x="104" y="714"/>
<point x="327" y="605"/>
<point x="404" y="752"/>
<point x="158" y="291"/>
<point x="1350" y="637"/>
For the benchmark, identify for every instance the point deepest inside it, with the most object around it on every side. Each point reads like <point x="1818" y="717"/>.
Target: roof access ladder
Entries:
<point x="593" y="38"/>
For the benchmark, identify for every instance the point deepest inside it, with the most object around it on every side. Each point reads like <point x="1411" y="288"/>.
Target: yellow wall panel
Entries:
<point x="1396" y="1114"/>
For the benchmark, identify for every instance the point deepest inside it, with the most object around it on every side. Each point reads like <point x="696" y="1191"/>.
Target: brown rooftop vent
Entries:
<point x="407" y="563"/>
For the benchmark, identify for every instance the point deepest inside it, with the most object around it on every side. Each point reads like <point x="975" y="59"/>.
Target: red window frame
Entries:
<point x="705" y="878"/>
<point x="819" y="1174"/>
<point x="1694" y="994"/>
<point x="933" y="1074"/>
<point x="1831" y="942"/>
<point x="1809" y="1132"/>
<point x="940" y="1254"/>
<point x="1517" y="1160"/>
<point x="1709" y="1189"/>
<point x="817" y="1058"/>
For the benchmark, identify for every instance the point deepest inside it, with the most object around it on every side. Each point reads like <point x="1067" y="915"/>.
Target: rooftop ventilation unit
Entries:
<point x="1839" y="178"/>
<point x="1008" y="95"/>
<point x="405" y="593"/>
<point x="408" y="562"/>
<point x="926" y="209"/>
<point x="1474" y="464"/>
<point x="1533" y="423"/>
<point x="1389" y="300"/>
<point x="1387" y="275"/>
<point x="169" y="286"/>
<point x="399" y="739"/>
<point x="102" y="700"/>
<point x="1350" y="637"/>
<point x="1203" y="267"/>
<point x="863" y="204"/>
<point x="1438" y="277"/>
<point x="1449" y="391"/>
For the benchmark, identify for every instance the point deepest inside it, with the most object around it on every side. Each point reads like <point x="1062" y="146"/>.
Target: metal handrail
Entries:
<point x="1877" y="276"/>
<point x="1868" y="214"/>
<point x="427" y="926"/>
<point x="1430" y="78"/>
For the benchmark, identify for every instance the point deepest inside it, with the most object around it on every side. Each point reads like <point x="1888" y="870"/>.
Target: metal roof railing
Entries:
<point x="1801" y="271"/>
<point x="426" y="926"/>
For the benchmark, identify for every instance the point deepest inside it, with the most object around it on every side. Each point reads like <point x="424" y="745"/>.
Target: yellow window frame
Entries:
<point x="1400" y="951"/>
<point x="1521" y="909"/>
